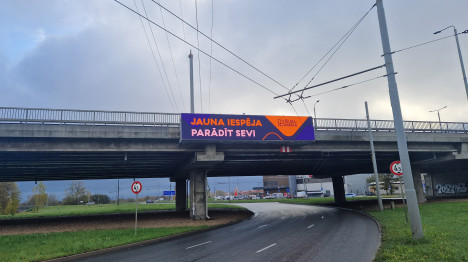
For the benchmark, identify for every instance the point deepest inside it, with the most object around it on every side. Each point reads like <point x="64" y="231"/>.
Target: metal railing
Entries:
<point x="89" y="117"/>
<point x="86" y="117"/>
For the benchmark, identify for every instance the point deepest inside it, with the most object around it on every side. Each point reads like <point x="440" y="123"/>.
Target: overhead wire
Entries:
<point x="172" y="59"/>
<point x="331" y="81"/>
<point x="429" y="42"/>
<point x="211" y="53"/>
<point x="160" y="57"/>
<point x="339" y="43"/>
<point x="223" y="47"/>
<point x="199" y="63"/>
<point x="183" y="27"/>
<point x="155" y="61"/>
<point x="203" y="52"/>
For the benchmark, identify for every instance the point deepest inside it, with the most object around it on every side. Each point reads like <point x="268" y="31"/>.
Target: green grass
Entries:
<point x="37" y="247"/>
<point x="75" y="210"/>
<point x="445" y="228"/>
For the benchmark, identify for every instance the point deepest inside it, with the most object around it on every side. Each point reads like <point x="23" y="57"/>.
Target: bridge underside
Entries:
<point x="46" y="165"/>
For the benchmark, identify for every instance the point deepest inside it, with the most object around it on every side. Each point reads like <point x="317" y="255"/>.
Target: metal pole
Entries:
<point x="315" y="115"/>
<point x="192" y="104"/>
<point x="461" y="61"/>
<point x="136" y="213"/>
<point x="413" y="208"/>
<point x="374" y="163"/>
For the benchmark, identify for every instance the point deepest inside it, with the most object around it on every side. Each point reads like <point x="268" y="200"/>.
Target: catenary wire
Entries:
<point x="340" y="42"/>
<point x="429" y="42"/>
<point x="160" y="57"/>
<point x="155" y="61"/>
<point x="211" y="53"/>
<point x="331" y="81"/>
<point x="172" y="59"/>
<point x="203" y="52"/>
<point x="224" y="48"/>
<point x="199" y="63"/>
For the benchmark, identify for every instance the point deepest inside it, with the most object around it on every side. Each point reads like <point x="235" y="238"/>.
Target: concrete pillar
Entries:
<point x="198" y="206"/>
<point x="181" y="195"/>
<point x="338" y="188"/>
<point x="418" y="184"/>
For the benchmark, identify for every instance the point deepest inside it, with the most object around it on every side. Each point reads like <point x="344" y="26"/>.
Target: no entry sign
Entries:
<point x="395" y="168"/>
<point x="136" y="187"/>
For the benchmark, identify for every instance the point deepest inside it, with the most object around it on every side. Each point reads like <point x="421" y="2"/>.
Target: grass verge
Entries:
<point x="445" y="228"/>
<point x="37" y="247"/>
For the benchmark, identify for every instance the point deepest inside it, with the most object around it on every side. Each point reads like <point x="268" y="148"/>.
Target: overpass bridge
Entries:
<point x="56" y="144"/>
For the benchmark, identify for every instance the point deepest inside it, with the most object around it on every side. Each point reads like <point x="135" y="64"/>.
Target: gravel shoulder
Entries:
<point x="117" y="221"/>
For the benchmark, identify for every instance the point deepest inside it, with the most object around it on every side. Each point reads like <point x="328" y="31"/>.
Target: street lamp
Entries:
<point x="459" y="55"/>
<point x="438" y="114"/>
<point x="315" y="114"/>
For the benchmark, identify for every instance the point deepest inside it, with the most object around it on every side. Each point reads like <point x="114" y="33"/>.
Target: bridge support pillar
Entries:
<point x="338" y="188"/>
<point x="198" y="198"/>
<point x="181" y="195"/>
<point x="418" y="187"/>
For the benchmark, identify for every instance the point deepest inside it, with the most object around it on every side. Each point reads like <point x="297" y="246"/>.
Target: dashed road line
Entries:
<point x="262" y="226"/>
<point x="311" y="226"/>
<point x="265" y="248"/>
<point x="198" y="245"/>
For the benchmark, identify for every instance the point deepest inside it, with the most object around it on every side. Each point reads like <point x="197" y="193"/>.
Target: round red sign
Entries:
<point x="395" y="168"/>
<point x="136" y="187"/>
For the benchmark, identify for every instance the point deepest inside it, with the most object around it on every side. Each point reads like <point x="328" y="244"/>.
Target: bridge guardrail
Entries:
<point x="86" y="117"/>
<point x="89" y="117"/>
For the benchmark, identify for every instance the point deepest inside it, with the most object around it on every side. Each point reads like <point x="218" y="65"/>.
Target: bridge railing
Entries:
<point x="388" y="125"/>
<point x="88" y="117"/>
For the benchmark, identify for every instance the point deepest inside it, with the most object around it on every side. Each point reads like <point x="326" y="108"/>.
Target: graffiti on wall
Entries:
<point x="459" y="188"/>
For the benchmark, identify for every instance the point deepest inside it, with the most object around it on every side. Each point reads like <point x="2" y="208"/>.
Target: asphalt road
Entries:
<point x="278" y="232"/>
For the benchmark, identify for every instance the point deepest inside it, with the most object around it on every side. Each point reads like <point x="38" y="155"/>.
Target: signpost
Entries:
<point x="136" y="188"/>
<point x="395" y="168"/>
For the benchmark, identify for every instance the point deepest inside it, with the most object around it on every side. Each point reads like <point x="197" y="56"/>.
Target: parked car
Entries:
<point x="350" y="195"/>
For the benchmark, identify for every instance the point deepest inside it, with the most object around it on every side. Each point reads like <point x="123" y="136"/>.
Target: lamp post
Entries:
<point x="315" y="114"/>
<point x="438" y="114"/>
<point x="459" y="55"/>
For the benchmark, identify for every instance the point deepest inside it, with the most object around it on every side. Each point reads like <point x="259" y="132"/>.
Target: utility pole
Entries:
<point x="374" y="162"/>
<point x="413" y="208"/>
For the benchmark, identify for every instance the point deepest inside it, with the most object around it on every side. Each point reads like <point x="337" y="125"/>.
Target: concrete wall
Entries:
<point x="453" y="185"/>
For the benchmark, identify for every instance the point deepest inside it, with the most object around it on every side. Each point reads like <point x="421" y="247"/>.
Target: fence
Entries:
<point x="88" y="117"/>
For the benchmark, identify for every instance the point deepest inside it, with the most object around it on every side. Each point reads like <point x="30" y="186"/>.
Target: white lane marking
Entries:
<point x="265" y="248"/>
<point x="323" y="217"/>
<point x="262" y="226"/>
<point x="284" y="217"/>
<point x="198" y="245"/>
<point x="311" y="226"/>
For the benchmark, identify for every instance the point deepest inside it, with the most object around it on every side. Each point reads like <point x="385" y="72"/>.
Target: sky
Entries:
<point x="98" y="55"/>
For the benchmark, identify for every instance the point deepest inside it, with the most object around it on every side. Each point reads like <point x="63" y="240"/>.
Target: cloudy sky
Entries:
<point x="98" y="55"/>
<point x="88" y="54"/>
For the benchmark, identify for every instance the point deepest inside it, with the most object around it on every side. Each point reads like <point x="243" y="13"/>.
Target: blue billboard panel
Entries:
<point x="246" y="128"/>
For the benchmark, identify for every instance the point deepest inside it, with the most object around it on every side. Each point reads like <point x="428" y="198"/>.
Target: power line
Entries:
<point x="199" y="63"/>
<point x="155" y="61"/>
<point x="224" y="48"/>
<point x="339" y="43"/>
<point x="329" y="82"/>
<point x="346" y="86"/>
<point x="160" y="57"/>
<point x="425" y="43"/>
<point x="172" y="59"/>
<point x="211" y="53"/>
<point x="217" y="60"/>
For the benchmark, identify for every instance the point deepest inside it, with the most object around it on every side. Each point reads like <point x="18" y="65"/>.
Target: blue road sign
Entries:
<point x="169" y="193"/>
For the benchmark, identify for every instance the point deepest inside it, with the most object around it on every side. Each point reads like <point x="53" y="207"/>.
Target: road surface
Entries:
<point x="277" y="232"/>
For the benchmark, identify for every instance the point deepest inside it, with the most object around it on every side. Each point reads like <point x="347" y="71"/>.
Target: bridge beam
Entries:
<point x="338" y="188"/>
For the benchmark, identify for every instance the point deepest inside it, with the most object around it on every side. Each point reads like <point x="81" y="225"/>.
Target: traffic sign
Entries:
<point x="136" y="187"/>
<point x="395" y="168"/>
<point x="169" y="193"/>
